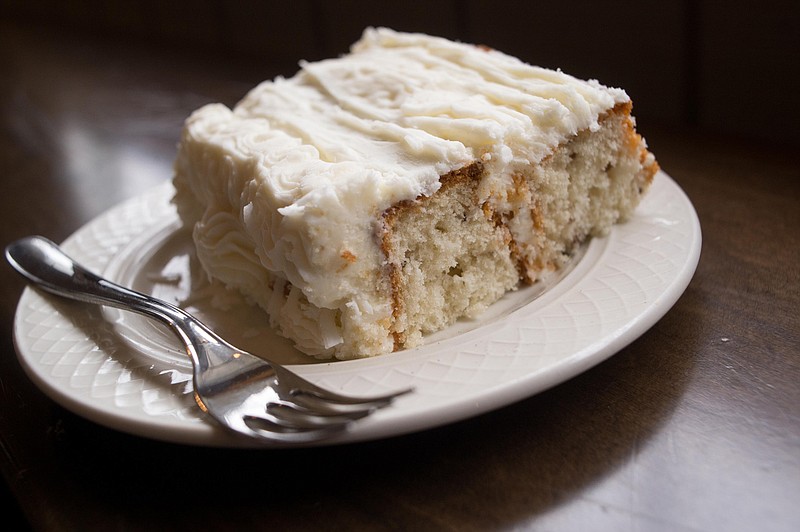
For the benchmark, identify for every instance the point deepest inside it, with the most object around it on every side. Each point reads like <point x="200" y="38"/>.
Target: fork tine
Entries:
<point x="264" y="426"/>
<point x="325" y="404"/>
<point x="297" y="386"/>
<point x="333" y="397"/>
<point x="295" y="416"/>
<point x="267" y="429"/>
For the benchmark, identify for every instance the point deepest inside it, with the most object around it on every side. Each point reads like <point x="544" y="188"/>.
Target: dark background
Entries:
<point x="718" y="66"/>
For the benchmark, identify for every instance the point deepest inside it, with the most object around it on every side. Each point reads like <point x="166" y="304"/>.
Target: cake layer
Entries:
<point x="342" y="199"/>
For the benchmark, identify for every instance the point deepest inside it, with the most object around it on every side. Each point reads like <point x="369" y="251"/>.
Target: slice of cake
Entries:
<point x="380" y="196"/>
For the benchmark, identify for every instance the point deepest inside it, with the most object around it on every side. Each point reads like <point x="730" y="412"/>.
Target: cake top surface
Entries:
<point x="399" y="111"/>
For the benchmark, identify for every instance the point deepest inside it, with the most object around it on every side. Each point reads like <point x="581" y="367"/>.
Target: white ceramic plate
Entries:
<point x="127" y="373"/>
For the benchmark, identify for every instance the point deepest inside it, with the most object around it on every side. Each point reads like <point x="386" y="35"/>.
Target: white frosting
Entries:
<point x="289" y="185"/>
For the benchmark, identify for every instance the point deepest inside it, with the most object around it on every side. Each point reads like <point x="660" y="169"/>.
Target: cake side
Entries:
<point x="453" y="254"/>
<point x="445" y="258"/>
<point x="586" y="185"/>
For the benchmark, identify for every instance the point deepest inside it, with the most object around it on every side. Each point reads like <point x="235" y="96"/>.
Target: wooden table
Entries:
<point x="694" y="426"/>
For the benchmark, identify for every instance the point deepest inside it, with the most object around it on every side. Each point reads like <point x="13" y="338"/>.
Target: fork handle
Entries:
<point x="46" y="265"/>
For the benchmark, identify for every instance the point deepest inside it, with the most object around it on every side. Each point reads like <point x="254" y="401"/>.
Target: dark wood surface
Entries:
<point x="694" y="426"/>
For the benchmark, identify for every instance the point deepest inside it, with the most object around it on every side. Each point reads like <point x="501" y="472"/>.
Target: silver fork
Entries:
<point x="247" y="394"/>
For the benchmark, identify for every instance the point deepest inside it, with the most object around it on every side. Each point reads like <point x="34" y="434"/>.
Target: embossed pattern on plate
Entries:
<point x="527" y="342"/>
